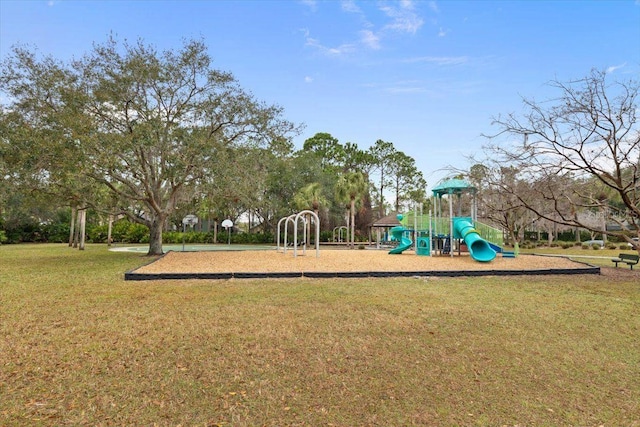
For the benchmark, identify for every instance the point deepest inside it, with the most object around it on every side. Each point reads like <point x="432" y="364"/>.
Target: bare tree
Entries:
<point x="581" y="151"/>
<point x="501" y="207"/>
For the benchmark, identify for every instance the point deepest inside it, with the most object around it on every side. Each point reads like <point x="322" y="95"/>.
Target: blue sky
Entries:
<point x="427" y="76"/>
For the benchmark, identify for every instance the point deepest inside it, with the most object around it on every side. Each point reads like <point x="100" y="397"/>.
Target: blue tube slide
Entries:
<point x="404" y="242"/>
<point x="479" y="248"/>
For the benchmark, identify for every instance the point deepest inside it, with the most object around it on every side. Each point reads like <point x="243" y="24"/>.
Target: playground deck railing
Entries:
<point x="490" y="234"/>
<point x="441" y="226"/>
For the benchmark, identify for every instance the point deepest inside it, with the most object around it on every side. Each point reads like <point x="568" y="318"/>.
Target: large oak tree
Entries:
<point x="145" y="124"/>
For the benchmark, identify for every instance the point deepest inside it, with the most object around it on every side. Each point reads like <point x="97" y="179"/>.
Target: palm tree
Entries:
<point x="351" y="187"/>
<point x="310" y="197"/>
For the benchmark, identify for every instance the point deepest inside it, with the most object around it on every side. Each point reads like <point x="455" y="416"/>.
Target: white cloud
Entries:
<point x="436" y="89"/>
<point x="403" y="18"/>
<point x="369" y="39"/>
<point x="308" y="79"/>
<point x="405" y="89"/>
<point x="343" y="49"/>
<point x="350" y="6"/>
<point x="615" y="67"/>
<point x="311" y="4"/>
<point x="442" y="32"/>
<point x="440" y="60"/>
<point x="434" y="6"/>
<point x="401" y="86"/>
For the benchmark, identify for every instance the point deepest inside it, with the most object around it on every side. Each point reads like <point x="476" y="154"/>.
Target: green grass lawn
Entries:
<point x="79" y="346"/>
<point x="597" y="257"/>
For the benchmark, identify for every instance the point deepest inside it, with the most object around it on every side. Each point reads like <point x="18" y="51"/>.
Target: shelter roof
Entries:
<point x="453" y="186"/>
<point x="390" y="220"/>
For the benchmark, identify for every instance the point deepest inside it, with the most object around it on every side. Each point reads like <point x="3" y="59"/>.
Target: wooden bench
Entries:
<point x="628" y="259"/>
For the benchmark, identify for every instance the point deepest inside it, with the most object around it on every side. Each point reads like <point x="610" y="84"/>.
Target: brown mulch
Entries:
<point x="339" y="261"/>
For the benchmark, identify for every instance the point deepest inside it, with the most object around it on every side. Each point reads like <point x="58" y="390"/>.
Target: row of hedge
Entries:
<point x="128" y="232"/>
<point x="32" y="232"/>
<point x="567" y="245"/>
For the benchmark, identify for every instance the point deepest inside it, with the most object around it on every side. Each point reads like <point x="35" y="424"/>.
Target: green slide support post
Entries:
<point x="479" y="248"/>
<point x="404" y="242"/>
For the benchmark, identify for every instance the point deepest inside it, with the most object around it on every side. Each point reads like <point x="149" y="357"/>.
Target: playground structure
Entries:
<point x="398" y="233"/>
<point x="294" y="218"/>
<point x="338" y="231"/>
<point x="479" y="249"/>
<point x="442" y="235"/>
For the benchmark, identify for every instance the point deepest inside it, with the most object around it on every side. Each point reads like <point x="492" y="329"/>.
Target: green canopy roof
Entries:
<point x="453" y="186"/>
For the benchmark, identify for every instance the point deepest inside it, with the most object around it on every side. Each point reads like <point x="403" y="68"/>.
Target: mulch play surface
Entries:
<point x="223" y="264"/>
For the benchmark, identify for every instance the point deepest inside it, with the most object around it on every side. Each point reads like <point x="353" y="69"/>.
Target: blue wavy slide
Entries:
<point x="479" y="248"/>
<point x="405" y="242"/>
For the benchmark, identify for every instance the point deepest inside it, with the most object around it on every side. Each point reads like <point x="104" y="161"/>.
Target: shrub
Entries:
<point x="136" y="233"/>
<point x="585" y="246"/>
<point x="326" y="236"/>
<point x="28" y="231"/>
<point x="193" y="237"/>
<point x="119" y="230"/>
<point x="566" y="235"/>
<point x="56" y="232"/>
<point x="595" y="246"/>
<point x="172" y="237"/>
<point x="611" y="245"/>
<point x="97" y="233"/>
<point x="566" y="245"/>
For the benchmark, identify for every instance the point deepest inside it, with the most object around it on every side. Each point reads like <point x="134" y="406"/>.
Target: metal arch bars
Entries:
<point x="294" y="218"/>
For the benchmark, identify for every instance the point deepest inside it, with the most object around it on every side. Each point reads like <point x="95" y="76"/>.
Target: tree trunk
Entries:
<point x="514" y="237"/>
<point x="72" y="226"/>
<point x="83" y="227"/>
<point x="76" y="231"/>
<point x="604" y="226"/>
<point x="109" y="229"/>
<point x="353" y="223"/>
<point x="155" y="237"/>
<point x="348" y="230"/>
